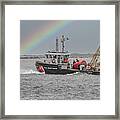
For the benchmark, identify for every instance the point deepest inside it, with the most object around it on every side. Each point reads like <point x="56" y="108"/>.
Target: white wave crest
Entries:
<point x="73" y="73"/>
<point x="30" y="72"/>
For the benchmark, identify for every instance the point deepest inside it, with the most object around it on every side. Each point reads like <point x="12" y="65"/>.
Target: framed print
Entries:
<point x="59" y="60"/>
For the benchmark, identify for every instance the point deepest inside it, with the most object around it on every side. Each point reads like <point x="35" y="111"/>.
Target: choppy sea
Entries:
<point x="37" y="86"/>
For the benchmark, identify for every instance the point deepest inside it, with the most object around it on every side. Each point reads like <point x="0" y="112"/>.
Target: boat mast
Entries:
<point x="63" y="42"/>
<point x="57" y="49"/>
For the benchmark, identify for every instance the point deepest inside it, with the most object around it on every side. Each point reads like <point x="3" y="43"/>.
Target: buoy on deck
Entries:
<point x="76" y="65"/>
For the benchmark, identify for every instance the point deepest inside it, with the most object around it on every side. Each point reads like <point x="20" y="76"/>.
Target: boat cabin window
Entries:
<point x="54" y="56"/>
<point x="66" y="56"/>
<point x="50" y="56"/>
<point x="46" y="56"/>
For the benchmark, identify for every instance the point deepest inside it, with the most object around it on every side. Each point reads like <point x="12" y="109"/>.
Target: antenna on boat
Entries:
<point x="57" y="49"/>
<point x="63" y="42"/>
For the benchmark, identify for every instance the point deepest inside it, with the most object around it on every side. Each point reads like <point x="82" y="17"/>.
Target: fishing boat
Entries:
<point x="56" y="62"/>
<point x="59" y="62"/>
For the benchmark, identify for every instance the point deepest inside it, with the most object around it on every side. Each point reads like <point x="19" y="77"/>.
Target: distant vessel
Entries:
<point x="56" y="62"/>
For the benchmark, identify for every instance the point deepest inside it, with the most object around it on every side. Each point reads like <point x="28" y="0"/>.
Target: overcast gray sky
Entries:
<point x="38" y="36"/>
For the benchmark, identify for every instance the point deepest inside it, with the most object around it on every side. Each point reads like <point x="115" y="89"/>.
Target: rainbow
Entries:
<point x="32" y="41"/>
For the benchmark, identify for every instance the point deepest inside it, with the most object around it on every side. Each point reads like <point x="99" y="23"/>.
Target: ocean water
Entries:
<point x="37" y="86"/>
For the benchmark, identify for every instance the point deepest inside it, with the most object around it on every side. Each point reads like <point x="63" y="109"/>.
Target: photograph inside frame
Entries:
<point x="60" y="60"/>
